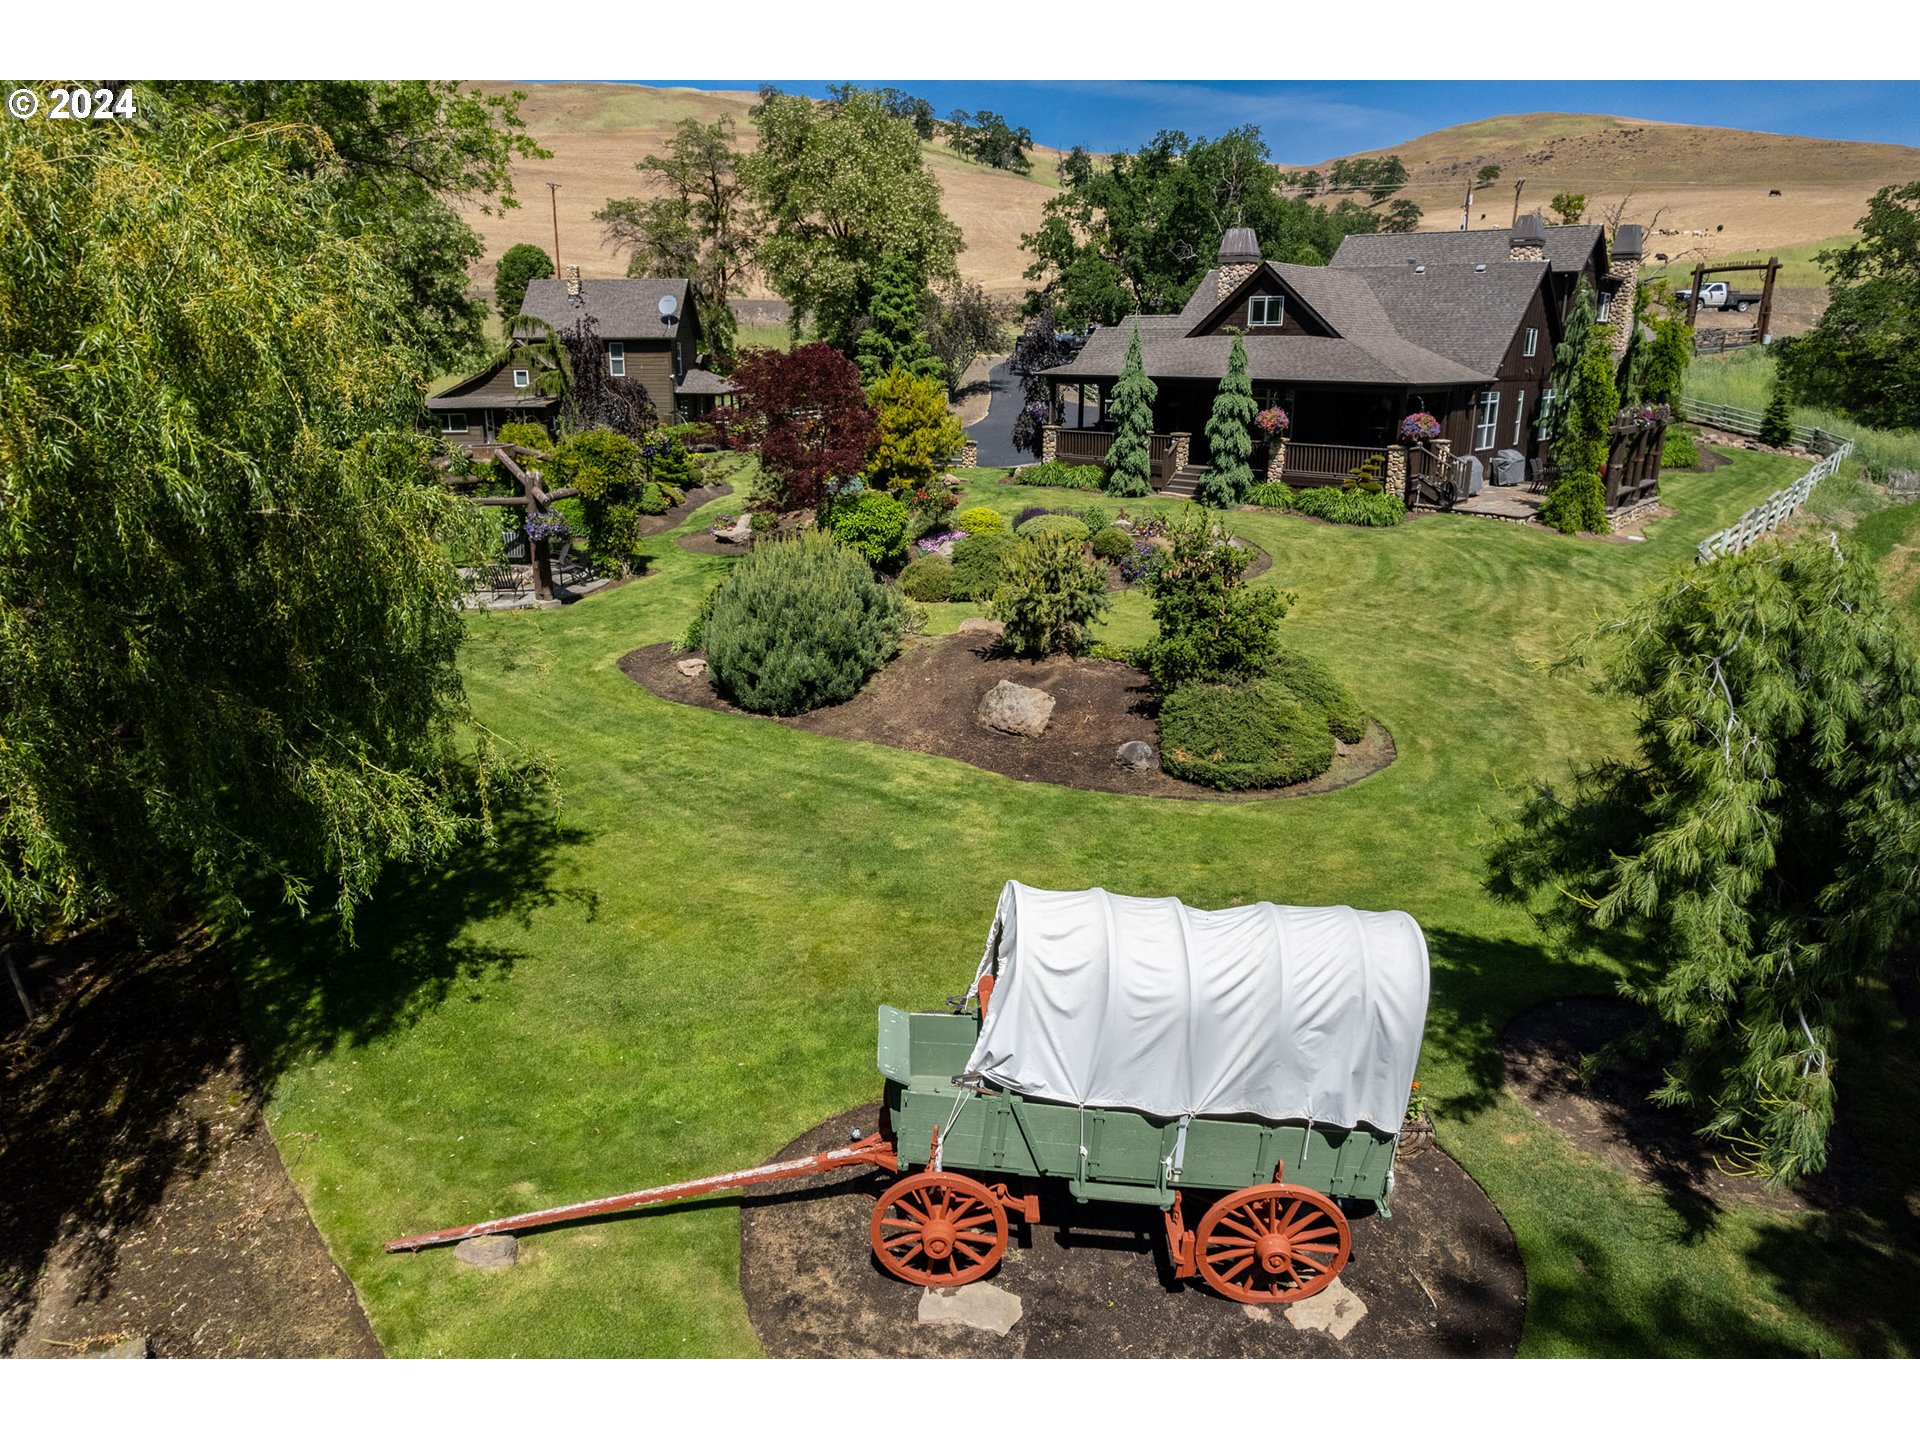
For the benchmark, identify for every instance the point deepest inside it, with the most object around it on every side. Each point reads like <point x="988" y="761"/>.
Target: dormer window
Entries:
<point x="616" y="357"/>
<point x="521" y="379"/>
<point x="1268" y="310"/>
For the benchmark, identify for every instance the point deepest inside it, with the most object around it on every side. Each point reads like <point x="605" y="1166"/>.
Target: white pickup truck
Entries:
<point x="1718" y="295"/>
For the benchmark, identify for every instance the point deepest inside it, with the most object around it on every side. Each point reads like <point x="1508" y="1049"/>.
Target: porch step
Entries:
<point x="1185" y="482"/>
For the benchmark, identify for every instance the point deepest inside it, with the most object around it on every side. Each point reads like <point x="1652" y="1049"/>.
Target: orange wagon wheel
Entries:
<point x="938" y="1228"/>
<point x="1272" y="1243"/>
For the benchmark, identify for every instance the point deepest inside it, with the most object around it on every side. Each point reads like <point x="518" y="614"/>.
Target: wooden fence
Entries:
<point x="1747" y="422"/>
<point x="1331" y="464"/>
<point x="1712" y="342"/>
<point x="1767" y="516"/>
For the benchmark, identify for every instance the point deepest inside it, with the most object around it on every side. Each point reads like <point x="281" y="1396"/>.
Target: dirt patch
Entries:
<point x="1609" y="1115"/>
<point x="144" y="1195"/>
<point x="1441" y="1278"/>
<point x="926" y="700"/>
<point x="676" y="515"/>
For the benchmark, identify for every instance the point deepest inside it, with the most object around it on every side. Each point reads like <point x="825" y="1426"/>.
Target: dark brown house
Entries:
<point x="1459" y="325"/>
<point x="471" y="410"/>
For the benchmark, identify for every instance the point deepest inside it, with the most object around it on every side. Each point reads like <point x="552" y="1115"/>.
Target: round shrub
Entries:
<point x="1271" y="495"/>
<point x="979" y="520"/>
<point x="928" y="579"/>
<point x="1051" y="525"/>
<point x="1242" y="737"/>
<point x="979" y="563"/>
<point x="653" y="500"/>
<point x="873" y="525"/>
<point x="1050" y="596"/>
<point x="799" y="624"/>
<point x="529" y="433"/>
<point x="1351" y="507"/>
<point x="1313" y="684"/>
<point x="1095" y="518"/>
<point x="1112" y="544"/>
<point x="1678" y="451"/>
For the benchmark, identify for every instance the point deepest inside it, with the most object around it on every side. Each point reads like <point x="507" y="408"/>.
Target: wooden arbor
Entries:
<point x="1761" y="321"/>
<point x="533" y="499"/>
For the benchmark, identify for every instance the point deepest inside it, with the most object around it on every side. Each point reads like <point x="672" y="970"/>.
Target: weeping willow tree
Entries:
<point x="1758" y="866"/>
<point x="227" y="580"/>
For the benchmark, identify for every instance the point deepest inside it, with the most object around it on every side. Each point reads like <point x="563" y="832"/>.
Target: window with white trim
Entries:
<point x="1267" y="310"/>
<point x="1519" y="416"/>
<point x="453" y="422"/>
<point x="1543" y="421"/>
<point x="1486" y="420"/>
<point x="1533" y="342"/>
<point x="521" y="379"/>
<point x="616" y="357"/>
<point x="1606" y="305"/>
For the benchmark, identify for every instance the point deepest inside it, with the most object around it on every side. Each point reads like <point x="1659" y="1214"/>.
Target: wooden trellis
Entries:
<point x="534" y="499"/>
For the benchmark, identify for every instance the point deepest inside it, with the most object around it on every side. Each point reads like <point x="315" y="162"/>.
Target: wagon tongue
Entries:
<point x="873" y="1150"/>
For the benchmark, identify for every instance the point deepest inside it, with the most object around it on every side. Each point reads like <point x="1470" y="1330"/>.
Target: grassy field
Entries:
<point x="1744" y="378"/>
<point x="680" y="973"/>
<point x="1798" y="264"/>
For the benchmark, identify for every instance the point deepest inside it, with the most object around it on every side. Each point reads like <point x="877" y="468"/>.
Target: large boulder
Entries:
<point x="740" y="532"/>
<point x="1016" y="709"/>
<point x="1136" y="755"/>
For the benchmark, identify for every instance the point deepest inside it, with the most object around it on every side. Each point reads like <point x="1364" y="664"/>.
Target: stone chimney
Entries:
<point x="1629" y="245"/>
<point x="1528" y="238"/>
<point x="573" y="284"/>
<point x="1239" y="258"/>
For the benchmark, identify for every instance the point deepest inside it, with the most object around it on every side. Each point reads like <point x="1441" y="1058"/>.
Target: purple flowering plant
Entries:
<point x="1419" y="426"/>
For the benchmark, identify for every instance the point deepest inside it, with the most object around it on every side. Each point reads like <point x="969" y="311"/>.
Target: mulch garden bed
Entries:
<point x="1610" y="1115"/>
<point x="926" y="700"/>
<point x="676" y="515"/>
<point x="144" y="1198"/>
<point x="1442" y="1278"/>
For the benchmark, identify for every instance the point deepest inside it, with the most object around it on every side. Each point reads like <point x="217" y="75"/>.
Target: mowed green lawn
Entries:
<point x="681" y="974"/>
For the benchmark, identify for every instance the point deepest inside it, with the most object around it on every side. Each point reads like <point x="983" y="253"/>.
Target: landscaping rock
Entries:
<point x="1136" y="755"/>
<point x="975" y="625"/>
<point x="488" y="1252"/>
<point x="1016" y="709"/>
<point x="738" y="533"/>
<point x="1336" y="1310"/>
<point x="979" y="1306"/>
<point x="693" y="667"/>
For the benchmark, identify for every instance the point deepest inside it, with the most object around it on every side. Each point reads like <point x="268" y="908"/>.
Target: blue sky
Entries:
<point x="1305" y="121"/>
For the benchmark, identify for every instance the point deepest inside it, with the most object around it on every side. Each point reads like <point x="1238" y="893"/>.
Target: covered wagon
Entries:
<point x="1251" y="1065"/>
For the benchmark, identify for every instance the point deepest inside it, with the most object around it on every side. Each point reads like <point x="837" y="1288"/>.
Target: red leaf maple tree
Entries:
<point x="806" y="414"/>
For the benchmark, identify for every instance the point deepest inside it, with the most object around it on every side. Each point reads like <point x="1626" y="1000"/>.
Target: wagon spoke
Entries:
<point x="907" y="1205"/>
<point x="1272" y="1242"/>
<point x="1300" y="1259"/>
<point x="1237" y="1266"/>
<point x="1304" y="1237"/>
<point x="1252" y="1232"/>
<point x="1286" y="1221"/>
<point x="1223" y="1249"/>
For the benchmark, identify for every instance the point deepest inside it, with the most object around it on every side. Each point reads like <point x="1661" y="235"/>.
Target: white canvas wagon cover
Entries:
<point x="1281" y="1011"/>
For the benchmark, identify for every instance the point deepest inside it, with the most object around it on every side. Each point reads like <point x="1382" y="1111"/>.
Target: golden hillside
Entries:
<point x="597" y="131"/>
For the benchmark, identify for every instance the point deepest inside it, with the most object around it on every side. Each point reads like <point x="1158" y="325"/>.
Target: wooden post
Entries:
<point x="1081" y="391"/>
<point x="1765" y="317"/>
<point x="1693" y="297"/>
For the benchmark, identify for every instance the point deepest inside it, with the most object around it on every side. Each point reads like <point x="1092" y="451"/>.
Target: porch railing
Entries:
<point x="1332" y="464"/>
<point x="1160" y="456"/>
<point x="1083" y="447"/>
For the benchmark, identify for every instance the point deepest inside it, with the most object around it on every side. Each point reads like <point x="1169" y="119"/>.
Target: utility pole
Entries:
<point x="1466" y="210"/>
<point x="553" y="196"/>
<point x="1516" y="201"/>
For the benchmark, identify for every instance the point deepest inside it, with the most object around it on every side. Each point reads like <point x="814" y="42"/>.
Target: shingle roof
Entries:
<point x="1450" y="325"/>
<point x="489" y="389"/>
<point x="1568" y="248"/>
<point x="621" y="309"/>
<point x="704" y="382"/>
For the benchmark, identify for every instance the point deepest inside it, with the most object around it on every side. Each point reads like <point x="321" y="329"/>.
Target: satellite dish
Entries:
<point x="667" y="306"/>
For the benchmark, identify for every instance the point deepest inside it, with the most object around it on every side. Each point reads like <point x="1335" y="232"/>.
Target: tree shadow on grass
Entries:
<point x="309" y="989"/>
<point x="101" y="1113"/>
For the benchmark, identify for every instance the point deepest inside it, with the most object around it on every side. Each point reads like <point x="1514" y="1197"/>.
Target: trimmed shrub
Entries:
<point x="1029" y="512"/>
<point x="668" y="461"/>
<point x="1242" y="737"/>
<point x="799" y="624"/>
<point x="1313" y="684"/>
<point x="1095" y="518"/>
<point x="1052" y="591"/>
<point x="979" y="564"/>
<point x="1052" y="525"/>
<point x="1112" y="544"/>
<point x="1271" y="495"/>
<point x="1061" y="475"/>
<point x="1678" y="452"/>
<point x="1350" y="507"/>
<point x="1212" y="625"/>
<point x="979" y="520"/>
<point x="874" y="525"/>
<point x="928" y="579"/>
<point x="529" y="433"/>
<point x="652" y="500"/>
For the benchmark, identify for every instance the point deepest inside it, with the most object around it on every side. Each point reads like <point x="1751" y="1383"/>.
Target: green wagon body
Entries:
<point x="1129" y="1155"/>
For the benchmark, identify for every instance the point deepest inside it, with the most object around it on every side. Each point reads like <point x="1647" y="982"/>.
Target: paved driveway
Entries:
<point x="995" y="433"/>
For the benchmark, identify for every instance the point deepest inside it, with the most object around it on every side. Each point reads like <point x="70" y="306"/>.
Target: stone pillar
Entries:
<point x="1396" y="479"/>
<point x="1629" y="244"/>
<point x="1276" y="458"/>
<point x="1230" y="278"/>
<point x="969" y="454"/>
<point x="1049" y="442"/>
<point x="1182" y="447"/>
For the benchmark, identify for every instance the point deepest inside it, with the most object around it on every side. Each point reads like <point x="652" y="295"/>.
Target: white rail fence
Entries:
<point x="1747" y="422"/>
<point x="1767" y="516"/>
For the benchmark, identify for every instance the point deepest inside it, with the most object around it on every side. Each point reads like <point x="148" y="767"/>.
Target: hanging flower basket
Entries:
<point x="1271" y="422"/>
<point x="1420" y="426"/>
<point x="1642" y="417"/>
<point x="547" y="527"/>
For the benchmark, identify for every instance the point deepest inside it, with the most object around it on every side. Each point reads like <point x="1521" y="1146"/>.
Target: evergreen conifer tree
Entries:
<point x="1130" y="459"/>
<point x="1230" y="435"/>
<point x="1776" y="425"/>
<point x="893" y="338"/>
<point x="1580" y="445"/>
